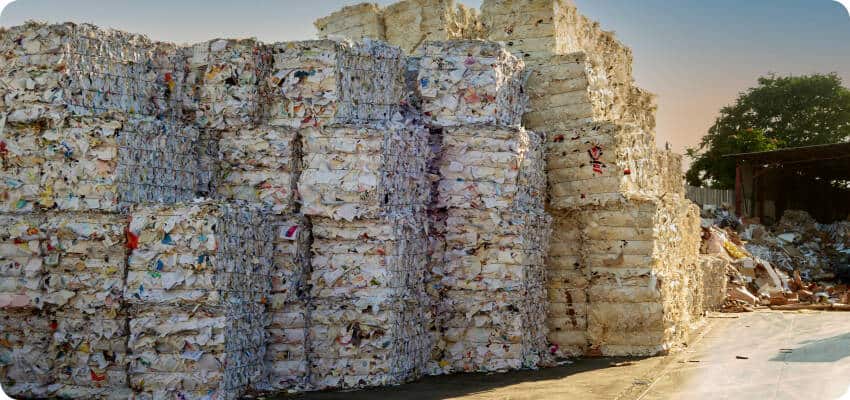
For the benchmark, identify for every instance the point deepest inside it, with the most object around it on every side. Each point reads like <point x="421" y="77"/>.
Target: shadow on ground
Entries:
<point x="442" y="387"/>
<point x="827" y="350"/>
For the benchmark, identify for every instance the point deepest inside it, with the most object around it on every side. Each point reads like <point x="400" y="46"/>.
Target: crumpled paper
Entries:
<point x="465" y="82"/>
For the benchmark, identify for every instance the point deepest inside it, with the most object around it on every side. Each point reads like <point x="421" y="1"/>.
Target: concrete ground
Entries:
<point x="754" y="356"/>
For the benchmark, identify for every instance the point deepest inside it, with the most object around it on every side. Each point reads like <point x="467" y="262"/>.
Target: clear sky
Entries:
<point x="697" y="55"/>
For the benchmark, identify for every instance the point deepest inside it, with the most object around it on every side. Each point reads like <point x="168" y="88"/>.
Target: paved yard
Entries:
<point x="754" y="356"/>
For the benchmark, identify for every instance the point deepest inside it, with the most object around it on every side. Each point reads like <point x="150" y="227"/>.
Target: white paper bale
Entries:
<point x="84" y="70"/>
<point x="322" y="82"/>
<point x="101" y="164"/>
<point x="25" y="360"/>
<point x="493" y="168"/>
<point x="365" y="256"/>
<point x="358" y="342"/>
<point x="471" y="82"/>
<point x="23" y="253"/>
<point x="599" y="163"/>
<point x="363" y="172"/>
<point x="199" y="267"/>
<point x="259" y="165"/>
<point x="355" y="22"/>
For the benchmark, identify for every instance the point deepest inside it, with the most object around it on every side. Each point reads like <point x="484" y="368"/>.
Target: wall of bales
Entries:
<point x="406" y="24"/>
<point x="373" y="259"/>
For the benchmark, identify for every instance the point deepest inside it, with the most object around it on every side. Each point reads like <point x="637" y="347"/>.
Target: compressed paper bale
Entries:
<point x="260" y="165"/>
<point x="362" y="257"/>
<point x="492" y="287"/>
<point x="292" y="239"/>
<point x="611" y="323"/>
<point x="198" y="283"/>
<point x="600" y="164"/>
<point x="715" y="280"/>
<point x="23" y="253"/>
<point x="492" y="331"/>
<point x="359" y="342"/>
<point x="198" y="253"/>
<point x="364" y="172"/>
<point x="286" y="363"/>
<point x="410" y="23"/>
<point x="356" y="22"/>
<point x="83" y="70"/>
<point x="487" y="167"/>
<point x="25" y="359"/>
<point x="471" y="81"/>
<point x="192" y="355"/>
<point x="90" y="356"/>
<point x="493" y="250"/>
<point x="102" y="164"/>
<point x="317" y="83"/>
<point x="533" y="29"/>
<point x="228" y="75"/>
<point x="87" y="264"/>
<point x="572" y="86"/>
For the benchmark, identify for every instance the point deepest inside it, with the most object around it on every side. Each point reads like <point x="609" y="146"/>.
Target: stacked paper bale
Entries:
<point x="356" y="22"/>
<point x="490" y="195"/>
<point x="84" y="290"/>
<point x="287" y="365"/>
<point x="259" y="165"/>
<point x="410" y="23"/>
<point x="365" y="189"/>
<point x="406" y="24"/>
<point x="603" y="165"/>
<point x="612" y="171"/>
<point x="324" y="82"/>
<point x="227" y="75"/>
<point x="25" y="360"/>
<point x="469" y="82"/>
<point x="76" y="139"/>
<point x="363" y="186"/>
<point x="369" y="310"/>
<point x="92" y="122"/>
<point x="199" y="278"/>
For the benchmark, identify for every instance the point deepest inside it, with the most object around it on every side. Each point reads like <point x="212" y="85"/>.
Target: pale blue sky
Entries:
<point x="695" y="54"/>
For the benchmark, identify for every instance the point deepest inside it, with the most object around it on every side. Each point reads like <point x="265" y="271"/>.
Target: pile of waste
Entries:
<point x="797" y="263"/>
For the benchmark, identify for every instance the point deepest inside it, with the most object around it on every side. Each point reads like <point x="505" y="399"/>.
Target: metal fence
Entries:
<point x="718" y="197"/>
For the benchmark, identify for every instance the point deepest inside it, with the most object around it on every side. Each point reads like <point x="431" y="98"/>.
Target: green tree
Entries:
<point x="786" y="111"/>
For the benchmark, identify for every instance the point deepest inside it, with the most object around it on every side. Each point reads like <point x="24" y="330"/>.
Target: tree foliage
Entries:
<point x="781" y="112"/>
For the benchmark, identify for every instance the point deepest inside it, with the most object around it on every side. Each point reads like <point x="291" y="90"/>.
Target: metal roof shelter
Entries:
<point x="810" y="178"/>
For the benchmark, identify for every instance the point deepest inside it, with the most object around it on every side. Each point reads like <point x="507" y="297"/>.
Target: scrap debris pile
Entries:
<point x="236" y="216"/>
<point x="795" y="264"/>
